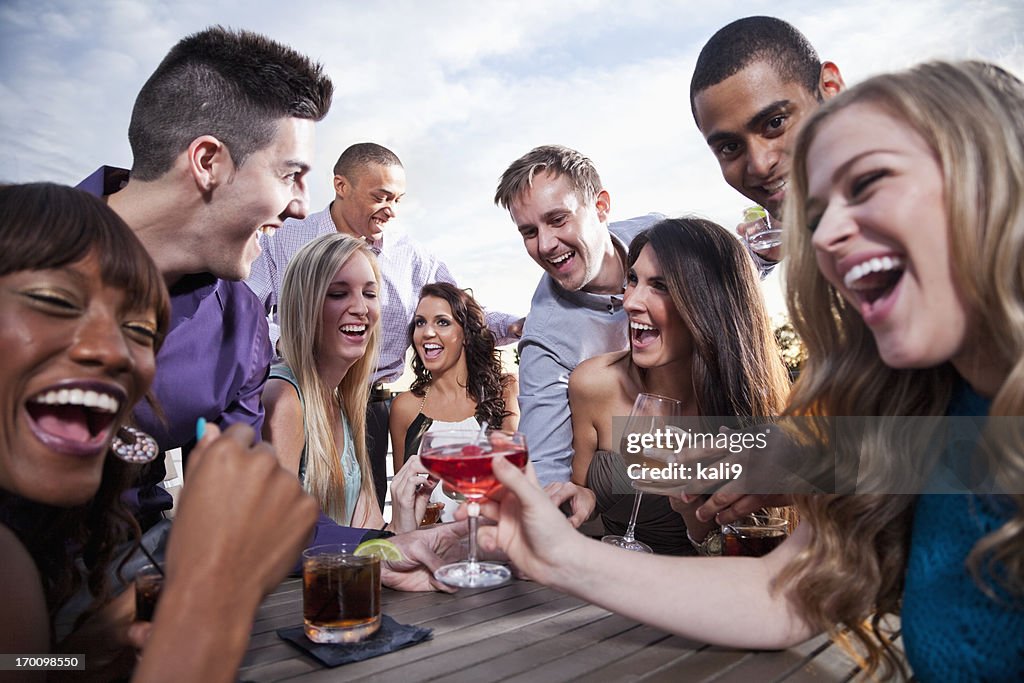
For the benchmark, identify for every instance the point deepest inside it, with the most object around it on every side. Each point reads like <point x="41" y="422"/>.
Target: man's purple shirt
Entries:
<point x="213" y="363"/>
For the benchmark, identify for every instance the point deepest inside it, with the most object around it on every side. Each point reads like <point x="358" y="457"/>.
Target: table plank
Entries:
<point x="470" y="619"/>
<point x="528" y="649"/>
<point x="654" y="656"/>
<point x="521" y="632"/>
<point x="776" y="665"/>
<point x="594" y="660"/>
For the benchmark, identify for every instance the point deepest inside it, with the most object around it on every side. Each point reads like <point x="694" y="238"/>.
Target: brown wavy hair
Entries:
<point x="486" y="379"/>
<point x="853" y="570"/>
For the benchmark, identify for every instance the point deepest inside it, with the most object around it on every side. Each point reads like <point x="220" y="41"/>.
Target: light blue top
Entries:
<point x="349" y="464"/>
<point x="562" y="330"/>
<point x="952" y="631"/>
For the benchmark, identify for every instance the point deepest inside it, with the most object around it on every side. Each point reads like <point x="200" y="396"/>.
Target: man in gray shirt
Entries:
<point x="560" y="207"/>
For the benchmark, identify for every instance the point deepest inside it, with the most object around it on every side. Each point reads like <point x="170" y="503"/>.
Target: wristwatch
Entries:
<point x="711" y="545"/>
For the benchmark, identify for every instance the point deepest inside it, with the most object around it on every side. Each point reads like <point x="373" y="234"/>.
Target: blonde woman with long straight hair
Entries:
<point x="316" y="399"/>
<point x="905" y="280"/>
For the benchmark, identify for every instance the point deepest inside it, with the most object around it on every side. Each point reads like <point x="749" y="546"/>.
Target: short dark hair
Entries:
<point x="756" y="39"/>
<point x="361" y="155"/>
<point x="233" y="85"/>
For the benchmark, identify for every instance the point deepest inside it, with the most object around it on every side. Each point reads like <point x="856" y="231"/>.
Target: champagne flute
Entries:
<point x="650" y="412"/>
<point x="463" y="460"/>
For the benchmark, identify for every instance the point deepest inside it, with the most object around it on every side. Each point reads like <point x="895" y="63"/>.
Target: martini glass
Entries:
<point x="650" y="412"/>
<point x="461" y="459"/>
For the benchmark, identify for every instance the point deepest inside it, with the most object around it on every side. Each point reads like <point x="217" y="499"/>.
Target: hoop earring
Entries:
<point x="134" y="446"/>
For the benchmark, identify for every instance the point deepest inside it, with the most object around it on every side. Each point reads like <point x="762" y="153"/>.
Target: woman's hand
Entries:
<point x="410" y="493"/>
<point x="241" y="522"/>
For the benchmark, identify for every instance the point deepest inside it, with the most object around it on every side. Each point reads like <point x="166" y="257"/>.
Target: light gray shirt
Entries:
<point x="562" y="330"/>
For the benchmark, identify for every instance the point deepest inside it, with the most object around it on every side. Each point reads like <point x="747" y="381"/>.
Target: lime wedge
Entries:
<point x="754" y="213"/>
<point x="379" y="547"/>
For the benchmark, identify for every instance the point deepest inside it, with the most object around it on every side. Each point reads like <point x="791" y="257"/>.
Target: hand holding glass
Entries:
<point x="766" y="236"/>
<point x="463" y="462"/>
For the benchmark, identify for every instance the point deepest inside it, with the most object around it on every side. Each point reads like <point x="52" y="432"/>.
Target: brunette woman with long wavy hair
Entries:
<point x="459" y="381"/>
<point x="699" y="333"/>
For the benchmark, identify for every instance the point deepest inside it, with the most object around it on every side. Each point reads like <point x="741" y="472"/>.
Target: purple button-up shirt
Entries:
<point x="213" y="363"/>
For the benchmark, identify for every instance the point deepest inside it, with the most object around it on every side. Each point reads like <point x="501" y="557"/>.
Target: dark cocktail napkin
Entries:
<point x="389" y="637"/>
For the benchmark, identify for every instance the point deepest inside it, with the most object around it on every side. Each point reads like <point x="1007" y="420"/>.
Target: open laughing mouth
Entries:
<point x="561" y="262"/>
<point x="871" y="282"/>
<point x="774" y="187"/>
<point x="431" y="350"/>
<point x="75" y="418"/>
<point x="354" y="332"/>
<point x="642" y="335"/>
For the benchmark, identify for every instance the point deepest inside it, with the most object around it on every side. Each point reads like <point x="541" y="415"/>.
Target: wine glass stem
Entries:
<point x="474" y="519"/>
<point x="628" y="536"/>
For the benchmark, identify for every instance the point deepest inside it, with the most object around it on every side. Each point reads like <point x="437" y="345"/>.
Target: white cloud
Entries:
<point x="460" y="89"/>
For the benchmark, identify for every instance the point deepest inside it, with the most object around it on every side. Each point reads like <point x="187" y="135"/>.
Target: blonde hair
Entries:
<point x="971" y="115"/>
<point x="302" y="296"/>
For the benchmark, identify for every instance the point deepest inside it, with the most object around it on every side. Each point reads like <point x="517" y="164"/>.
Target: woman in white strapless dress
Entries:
<point x="459" y="382"/>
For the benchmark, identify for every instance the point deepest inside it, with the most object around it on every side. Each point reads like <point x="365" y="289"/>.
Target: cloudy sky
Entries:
<point x="459" y="89"/>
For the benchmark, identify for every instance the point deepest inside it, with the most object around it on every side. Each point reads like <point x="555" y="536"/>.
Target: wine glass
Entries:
<point x="463" y="460"/>
<point x="650" y="412"/>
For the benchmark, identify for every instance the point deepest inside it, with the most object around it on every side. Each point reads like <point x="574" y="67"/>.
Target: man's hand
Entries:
<point x="425" y="550"/>
<point x="725" y="507"/>
<point x="773" y="254"/>
<point x="516" y="328"/>
<point x="584" y="501"/>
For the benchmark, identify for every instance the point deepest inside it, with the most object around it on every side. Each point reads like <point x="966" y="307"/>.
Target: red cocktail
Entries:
<point x="467" y="469"/>
<point x="463" y="461"/>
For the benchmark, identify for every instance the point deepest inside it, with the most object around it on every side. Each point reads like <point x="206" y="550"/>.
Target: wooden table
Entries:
<point x="523" y="631"/>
